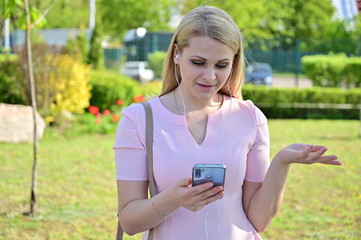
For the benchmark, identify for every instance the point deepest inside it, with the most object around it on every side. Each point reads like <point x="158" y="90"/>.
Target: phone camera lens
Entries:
<point x="198" y="173"/>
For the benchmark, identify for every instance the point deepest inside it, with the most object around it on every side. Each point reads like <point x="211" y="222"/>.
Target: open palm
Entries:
<point x="306" y="154"/>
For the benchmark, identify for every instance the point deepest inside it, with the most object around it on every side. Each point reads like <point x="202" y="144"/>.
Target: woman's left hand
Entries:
<point x="306" y="154"/>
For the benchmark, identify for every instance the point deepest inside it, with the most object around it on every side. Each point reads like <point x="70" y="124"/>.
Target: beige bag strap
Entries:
<point x="149" y="147"/>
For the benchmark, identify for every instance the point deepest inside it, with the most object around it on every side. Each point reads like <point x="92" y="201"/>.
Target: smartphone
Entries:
<point x="203" y="173"/>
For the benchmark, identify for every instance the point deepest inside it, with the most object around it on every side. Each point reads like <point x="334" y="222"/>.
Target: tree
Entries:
<point x="32" y="16"/>
<point x="275" y="21"/>
<point x="249" y="16"/>
<point x="119" y="16"/>
<point x="62" y="13"/>
<point x="95" y="56"/>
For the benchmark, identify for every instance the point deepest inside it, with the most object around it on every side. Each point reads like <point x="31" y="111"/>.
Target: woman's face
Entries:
<point x="205" y="65"/>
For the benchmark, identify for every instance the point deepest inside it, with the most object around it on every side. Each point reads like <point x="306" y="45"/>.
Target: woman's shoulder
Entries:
<point x="138" y="108"/>
<point x="251" y="108"/>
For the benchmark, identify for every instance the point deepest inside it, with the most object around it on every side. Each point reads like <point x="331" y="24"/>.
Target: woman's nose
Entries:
<point x="209" y="74"/>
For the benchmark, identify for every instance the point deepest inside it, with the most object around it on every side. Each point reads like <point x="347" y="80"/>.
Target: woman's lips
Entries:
<point x="204" y="86"/>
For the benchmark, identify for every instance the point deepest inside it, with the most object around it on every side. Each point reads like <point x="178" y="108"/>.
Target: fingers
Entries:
<point x="316" y="152"/>
<point x="198" y="196"/>
<point x="211" y="192"/>
<point x="330" y="159"/>
<point x="184" y="182"/>
<point x="317" y="156"/>
<point x="204" y="191"/>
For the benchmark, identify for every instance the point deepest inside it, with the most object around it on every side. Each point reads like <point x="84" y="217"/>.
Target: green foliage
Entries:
<point x="134" y="14"/>
<point x="275" y="20"/>
<point x="78" y="46"/>
<point x="61" y="14"/>
<point x="108" y="87"/>
<point x="15" y="10"/>
<point x="352" y="72"/>
<point x="332" y="70"/>
<point x="95" y="56"/>
<point x="90" y="124"/>
<point x="10" y="74"/>
<point x="151" y="89"/>
<point x="156" y="62"/>
<point x="268" y="98"/>
<point x="61" y="82"/>
<point x="10" y="6"/>
<point x="263" y="94"/>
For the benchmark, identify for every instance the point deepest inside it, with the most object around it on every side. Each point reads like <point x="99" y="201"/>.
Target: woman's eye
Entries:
<point x="197" y="62"/>
<point x="222" y="65"/>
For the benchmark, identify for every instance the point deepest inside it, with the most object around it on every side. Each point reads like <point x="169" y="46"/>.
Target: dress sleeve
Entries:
<point x="258" y="159"/>
<point x="129" y="148"/>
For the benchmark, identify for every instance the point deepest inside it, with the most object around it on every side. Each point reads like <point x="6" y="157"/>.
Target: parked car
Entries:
<point x="138" y="71"/>
<point x="259" y="74"/>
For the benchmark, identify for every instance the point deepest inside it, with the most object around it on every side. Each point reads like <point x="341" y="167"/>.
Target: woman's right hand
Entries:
<point x="195" y="198"/>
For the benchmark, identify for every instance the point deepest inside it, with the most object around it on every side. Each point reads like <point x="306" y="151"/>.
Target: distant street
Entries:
<point x="290" y="81"/>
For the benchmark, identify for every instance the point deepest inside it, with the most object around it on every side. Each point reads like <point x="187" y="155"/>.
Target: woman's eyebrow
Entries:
<point x="226" y="59"/>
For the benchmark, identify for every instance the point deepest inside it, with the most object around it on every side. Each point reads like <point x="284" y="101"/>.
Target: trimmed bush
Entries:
<point x="108" y="87"/>
<point x="352" y="72"/>
<point x="333" y="70"/>
<point x="262" y="96"/>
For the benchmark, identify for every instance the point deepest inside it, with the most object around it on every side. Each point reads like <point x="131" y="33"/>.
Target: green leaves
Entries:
<point x="275" y="20"/>
<point x="10" y="6"/>
<point x="35" y="16"/>
<point x="119" y="15"/>
<point x="16" y="8"/>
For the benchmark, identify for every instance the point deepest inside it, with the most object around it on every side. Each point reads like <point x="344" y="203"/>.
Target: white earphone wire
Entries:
<point x="197" y="155"/>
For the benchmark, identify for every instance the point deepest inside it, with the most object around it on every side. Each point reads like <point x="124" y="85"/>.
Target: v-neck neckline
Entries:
<point x="212" y="118"/>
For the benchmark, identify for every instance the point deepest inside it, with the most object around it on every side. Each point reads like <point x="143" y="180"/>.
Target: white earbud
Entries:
<point x="176" y="58"/>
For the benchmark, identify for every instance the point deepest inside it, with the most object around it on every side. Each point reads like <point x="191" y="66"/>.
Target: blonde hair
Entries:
<point x="217" y="24"/>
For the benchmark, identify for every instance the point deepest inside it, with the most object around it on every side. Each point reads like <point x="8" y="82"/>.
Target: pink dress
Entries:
<point x="236" y="136"/>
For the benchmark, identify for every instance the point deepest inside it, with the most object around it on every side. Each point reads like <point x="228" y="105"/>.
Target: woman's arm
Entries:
<point x="261" y="201"/>
<point x="139" y="214"/>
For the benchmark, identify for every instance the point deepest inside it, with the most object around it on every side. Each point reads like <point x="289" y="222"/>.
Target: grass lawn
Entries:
<point x="77" y="189"/>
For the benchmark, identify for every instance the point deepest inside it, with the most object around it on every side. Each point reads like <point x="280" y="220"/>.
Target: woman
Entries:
<point x="200" y="118"/>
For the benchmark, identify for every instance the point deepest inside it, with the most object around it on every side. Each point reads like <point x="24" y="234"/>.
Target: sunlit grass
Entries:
<point x="77" y="188"/>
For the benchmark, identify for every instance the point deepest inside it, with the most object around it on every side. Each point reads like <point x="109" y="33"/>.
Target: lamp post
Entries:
<point x="92" y="15"/>
<point x="139" y="34"/>
<point x="7" y="35"/>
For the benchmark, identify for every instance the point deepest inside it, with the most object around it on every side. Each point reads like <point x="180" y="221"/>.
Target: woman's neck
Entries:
<point x="192" y="104"/>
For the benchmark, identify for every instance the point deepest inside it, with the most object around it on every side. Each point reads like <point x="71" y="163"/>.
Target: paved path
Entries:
<point x="281" y="81"/>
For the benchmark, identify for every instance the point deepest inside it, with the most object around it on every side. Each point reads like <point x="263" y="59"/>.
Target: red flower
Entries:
<point x="93" y="110"/>
<point x="120" y="102"/>
<point x="97" y="120"/>
<point x="115" y="117"/>
<point x="138" y="99"/>
<point x="98" y="115"/>
<point x="106" y="112"/>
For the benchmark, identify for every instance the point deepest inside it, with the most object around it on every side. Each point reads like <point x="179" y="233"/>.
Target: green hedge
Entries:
<point x="261" y="95"/>
<point x="108" y="87"/>
<point x="333" y="70"/>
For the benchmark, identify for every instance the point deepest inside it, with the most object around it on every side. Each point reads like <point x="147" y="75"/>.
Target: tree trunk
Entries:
<point x="34" y="106"/>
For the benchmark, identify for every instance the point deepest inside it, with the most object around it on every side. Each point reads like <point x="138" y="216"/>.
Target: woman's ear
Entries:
<point x="176" y="54"/>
